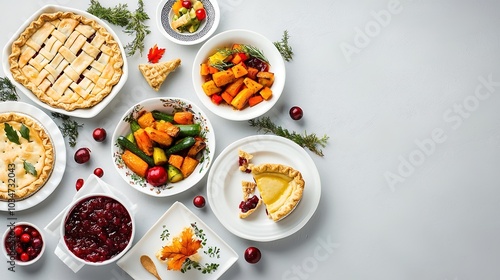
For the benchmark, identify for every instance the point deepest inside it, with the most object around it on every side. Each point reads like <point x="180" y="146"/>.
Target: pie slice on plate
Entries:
<point x="155" y="74"/>
<point x="280" y="187"/>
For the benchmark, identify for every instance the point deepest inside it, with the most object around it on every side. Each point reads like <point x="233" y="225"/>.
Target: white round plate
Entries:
<point x="227" y="39"/>
<point x="207" y="27"/>
<point x="225" y="194"/>
<point x="79" y="113"/>
<point x="60" y="148"/>
<point x="167" y="105"/>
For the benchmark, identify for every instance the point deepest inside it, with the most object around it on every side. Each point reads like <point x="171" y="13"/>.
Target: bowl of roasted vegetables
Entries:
<point x="163" y="146"/>
<point x="187" y="22"/>
<point x="238" y="74"/>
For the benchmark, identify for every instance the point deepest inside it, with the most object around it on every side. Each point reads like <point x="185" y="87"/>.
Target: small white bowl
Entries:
<point x="72" y="207"/>
<point x="227" y="39"/>
<point x="12" y="258"/>
<point x="208" y="26"/>
<point x="167" y="105"/>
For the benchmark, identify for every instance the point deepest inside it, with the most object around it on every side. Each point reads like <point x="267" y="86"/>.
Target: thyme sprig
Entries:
<point x="227" y="52"/>
<point x="133" y="22"/>
<point x="284" y="47"/>
<point x="305" y="140"/>
<point x="7" y="90"/>
<point x="69" y="128"/>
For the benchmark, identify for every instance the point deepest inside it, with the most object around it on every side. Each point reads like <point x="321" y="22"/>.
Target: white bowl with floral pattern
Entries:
<point x="168" y="105"/>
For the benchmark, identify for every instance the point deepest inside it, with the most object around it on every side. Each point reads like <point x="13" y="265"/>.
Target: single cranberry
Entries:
<point x="186" y="4"/>
<point x="36" y="243"/>
<point x="296" y="113"/>
<point x="99" y="134"/>
<point x="25" y="257"/>
<point x="99" y="172"/>
<point x="199" y="201"/>
<point x="25" y="238"/>
<point x="79" y="184"/>
<point x="252" y="255"/>
<point x="82" y="155"/>
<point x="18" y="230"/>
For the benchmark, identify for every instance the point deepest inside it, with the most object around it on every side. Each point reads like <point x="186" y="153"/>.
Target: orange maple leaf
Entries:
<point x="182" y="247"/>
<point x="155" y="54"/>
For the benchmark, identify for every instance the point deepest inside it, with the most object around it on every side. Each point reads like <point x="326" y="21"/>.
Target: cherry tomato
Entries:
<point x="186" y="4"/>
<point x="201" y="14"/>
<point x="156" y="176"/>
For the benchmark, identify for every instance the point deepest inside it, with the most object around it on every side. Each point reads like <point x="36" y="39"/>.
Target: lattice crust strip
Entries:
<point x="67" y="60"/>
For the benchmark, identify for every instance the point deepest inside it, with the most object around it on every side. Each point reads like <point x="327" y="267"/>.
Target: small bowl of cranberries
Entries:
<point x="98" y="229"/>
<point x="23" y="243"/>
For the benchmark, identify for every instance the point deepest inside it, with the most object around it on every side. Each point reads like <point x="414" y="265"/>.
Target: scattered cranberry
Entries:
<point x="249" y="204"/>
<point x="105" y="220"/>
<point x="82" y="155"/>
<point x="98" y="172"/>
<point x="24" y="243"/>
<point x="252" y="255"/>
<point x="99" y="134"/>
<point x="296" y="113"/>
<point x="199" y="201"/>
<point x="156" y="176"/>
<point x="186" y="4"/>
<point x="79" y="184"/>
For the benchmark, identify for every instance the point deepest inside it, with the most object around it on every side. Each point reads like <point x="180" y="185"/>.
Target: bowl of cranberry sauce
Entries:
<point x="98" y="229"/>
<point x="23" y="243"/>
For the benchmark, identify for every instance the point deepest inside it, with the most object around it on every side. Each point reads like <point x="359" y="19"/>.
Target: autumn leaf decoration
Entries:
<point x="181" y="248"/>
<point x="155" y="54"/>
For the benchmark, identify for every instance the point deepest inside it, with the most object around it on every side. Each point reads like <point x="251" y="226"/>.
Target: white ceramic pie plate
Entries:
<point x="60" y="148"/>
<point x="175" y="219"/>
<point x="79" y="113"/>
<point x="225" y="194"/>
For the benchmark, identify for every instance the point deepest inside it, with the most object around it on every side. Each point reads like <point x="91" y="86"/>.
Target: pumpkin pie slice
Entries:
<point x="250" y="201"/>
<point x="280" y="187"/>
<point x="155" y="74"/>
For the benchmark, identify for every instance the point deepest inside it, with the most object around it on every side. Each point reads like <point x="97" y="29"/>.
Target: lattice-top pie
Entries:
<point x="67" y="60"/>
<point x="26" y="156"/>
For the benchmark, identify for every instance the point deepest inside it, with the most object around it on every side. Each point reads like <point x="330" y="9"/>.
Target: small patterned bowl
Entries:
<point x="208" y="26"/>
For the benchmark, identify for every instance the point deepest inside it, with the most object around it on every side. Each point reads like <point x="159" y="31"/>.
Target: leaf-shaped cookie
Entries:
<point x="181" y="248"/>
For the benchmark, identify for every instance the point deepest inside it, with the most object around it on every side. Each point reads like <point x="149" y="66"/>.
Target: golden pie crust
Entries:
<point x="15" y="182"/>
<point x="280" y="187"/>
<point x="248" y="189"/>
<point x="155" y="74"/>
<point x="67" y="60"/>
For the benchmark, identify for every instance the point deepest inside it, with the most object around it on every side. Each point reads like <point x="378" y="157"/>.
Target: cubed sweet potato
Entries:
<point x="210" y="88"/>
<point x="176" y="160"/>
<point x="252" y="85"/>
<point x="167" y="127"/>
<point x="146" y="120"/>
<point x="254" y="100"/>
<point x="265" y="78"/>
<point x="144" y="143"/>
<point x="222" y="78"/>
<point x="159" y="136"/>
<point x="188" y="166"/>
<point x="239" y="70"/>
<point x="266" y="93"/>
<point x="240" y="100"/>
<point x="183" y="117"/>
<point x="235" y="87"/>
<point x="135" y="163"/>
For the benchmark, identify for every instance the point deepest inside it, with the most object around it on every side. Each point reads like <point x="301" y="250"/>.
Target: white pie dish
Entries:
<point x="80" y="113"/>
<point x="208" y="26"/>
<point x="227" y="39"/>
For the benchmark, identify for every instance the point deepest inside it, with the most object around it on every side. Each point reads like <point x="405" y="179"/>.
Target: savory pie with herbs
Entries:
<point x="67" y="60"/>
<point x="27" y="156"/>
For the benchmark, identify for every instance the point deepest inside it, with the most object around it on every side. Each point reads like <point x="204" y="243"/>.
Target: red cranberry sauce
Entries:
<point x="97" y="229"/>
<point x="23" y="242"/>
<point x="249" y="204"/>
<point x="243" y="162"/>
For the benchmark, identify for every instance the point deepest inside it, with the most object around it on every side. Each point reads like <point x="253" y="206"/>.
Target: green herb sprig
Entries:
<point x="7" y="90"/>
<point x="305" y="140"/>
<point x="247" y="49"/>
<point x="284" y="47"/>
<point x="29" y="168"/>
<point x="69" y="128"/>
<point x="133" y="22"/>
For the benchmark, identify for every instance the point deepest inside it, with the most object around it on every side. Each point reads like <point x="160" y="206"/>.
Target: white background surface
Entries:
<point x="402" y="84"/>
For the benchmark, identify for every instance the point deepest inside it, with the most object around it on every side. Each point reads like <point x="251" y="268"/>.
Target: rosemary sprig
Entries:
<point x="7" y="90"/>
<point x="309" y="141"/>
<point x="133" y="22"/>
<point x="69" y="128"/>
<point x="284" y="47"/>
<point x="226" y="52"/>
<point x="255" y="52"/>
